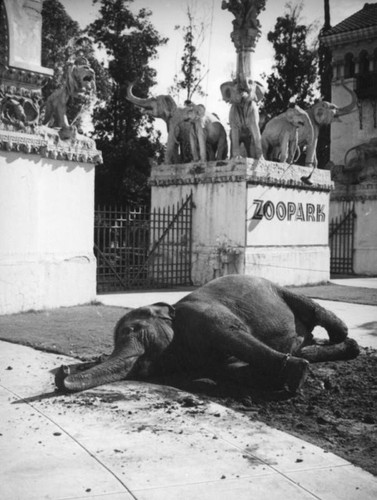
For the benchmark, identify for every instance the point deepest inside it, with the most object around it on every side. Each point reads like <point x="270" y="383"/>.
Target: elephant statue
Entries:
<point x="357" y="157"/>
<point x="244" y="116"/>
<point x="164" y="107"/>
<point x="242" y="327"/>
<point x="280" y="135"/>
<point x="207" y="135"/>
<point x="322" y="113"/>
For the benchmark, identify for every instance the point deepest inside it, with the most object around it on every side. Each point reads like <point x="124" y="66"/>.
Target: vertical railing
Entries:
<point x="139" y="248"/>
<point x="341" y="236"/>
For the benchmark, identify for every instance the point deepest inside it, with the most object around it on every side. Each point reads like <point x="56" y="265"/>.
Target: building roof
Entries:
<point x="364" y="18"/>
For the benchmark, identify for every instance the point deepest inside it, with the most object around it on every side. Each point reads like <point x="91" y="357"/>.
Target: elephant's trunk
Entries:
<point x="350" y="107"/>
<point x="111" y="370"/>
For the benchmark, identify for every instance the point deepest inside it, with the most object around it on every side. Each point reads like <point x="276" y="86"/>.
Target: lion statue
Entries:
<point x="79" y="86"/>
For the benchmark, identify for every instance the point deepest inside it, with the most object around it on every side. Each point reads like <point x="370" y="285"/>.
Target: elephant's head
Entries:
<point x="194" y="112"/>
<point x="233" y="93"/>
<point x="324" y="113"/>
<point x="297" y="117"/>
<point x="162" y="106"/>
<point x="140" y="337"/>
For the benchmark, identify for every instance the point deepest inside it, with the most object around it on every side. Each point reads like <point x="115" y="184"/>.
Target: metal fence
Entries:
<point x="137" y="248"/>
<point x="341" y="238"/>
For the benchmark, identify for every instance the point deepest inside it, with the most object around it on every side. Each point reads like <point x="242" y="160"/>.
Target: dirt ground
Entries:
<point x="337" y="408"/>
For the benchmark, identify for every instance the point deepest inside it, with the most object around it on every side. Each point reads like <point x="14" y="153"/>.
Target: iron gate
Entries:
<point x="341" y="238"/>
<point x="137" y="248"/>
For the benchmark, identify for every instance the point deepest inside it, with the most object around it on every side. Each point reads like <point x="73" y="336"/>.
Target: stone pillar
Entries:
<point x="252" y="217"/>
<point x="46" y="183"/>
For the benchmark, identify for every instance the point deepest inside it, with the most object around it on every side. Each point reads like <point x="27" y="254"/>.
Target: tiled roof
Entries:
<point x="364" y="18"/>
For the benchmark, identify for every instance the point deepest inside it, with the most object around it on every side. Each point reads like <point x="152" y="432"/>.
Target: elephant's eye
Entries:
<point x="129" y="329"/>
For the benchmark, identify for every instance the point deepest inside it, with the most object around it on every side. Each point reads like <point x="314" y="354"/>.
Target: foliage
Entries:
<point x="295" y="70"/>
<point x="191" y="72"/>
<point x="325" y="77"/>
<point x="58" y="29"/>
<point x="226" y="246"/>
<point x="124" y="135"/>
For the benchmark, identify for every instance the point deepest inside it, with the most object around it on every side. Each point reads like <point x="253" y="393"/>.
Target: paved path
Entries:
<point x="141" y="441"/>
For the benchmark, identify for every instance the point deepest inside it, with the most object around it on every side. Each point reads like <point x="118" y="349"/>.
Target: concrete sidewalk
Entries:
<point x="362" y="282"/>
<point x="135" y="440"/>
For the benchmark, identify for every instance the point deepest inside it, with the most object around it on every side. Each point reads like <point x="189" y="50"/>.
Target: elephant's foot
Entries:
<point x="343" y="351"/>
<point x="294" y="373"/>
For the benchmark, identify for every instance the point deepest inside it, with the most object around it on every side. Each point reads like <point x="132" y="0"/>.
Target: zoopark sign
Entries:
<point x="288" y="211"/>
<point x="284" y="217"/>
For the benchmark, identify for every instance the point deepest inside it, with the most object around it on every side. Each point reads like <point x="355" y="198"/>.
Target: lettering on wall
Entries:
<point x="290" y="211"/>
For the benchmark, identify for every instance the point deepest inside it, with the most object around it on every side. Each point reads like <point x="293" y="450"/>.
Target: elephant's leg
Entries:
<point x="265" y="148"/>
<point x="222" y="148"/>
<point x="217" y="328"/>
<point x="254" y="129"/>
<point x="284" y="148"/>
<point x="243" y="373"/>
<point x="316" y="353"/>
<point x="235" y="140"/>
<point x="171" y="154"/>
<point x="211" y="152"/>
<point x="293" y="144"/>
<point x="194" y="147"/>
<point x="312" y="314"/>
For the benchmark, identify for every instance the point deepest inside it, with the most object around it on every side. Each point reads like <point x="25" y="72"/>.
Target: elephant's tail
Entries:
<point x="311" y="314"/>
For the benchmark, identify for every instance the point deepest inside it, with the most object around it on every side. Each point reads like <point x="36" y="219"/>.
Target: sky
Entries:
<point x="217" y="52"/>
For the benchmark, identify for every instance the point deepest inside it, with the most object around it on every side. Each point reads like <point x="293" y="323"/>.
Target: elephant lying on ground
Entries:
<point x="240" y="326"/>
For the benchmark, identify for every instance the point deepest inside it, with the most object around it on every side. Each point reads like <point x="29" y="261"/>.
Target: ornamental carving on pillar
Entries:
<point x="246" y="26"/>
<point x="243" y="93"/>
<point x="27" y="124"/>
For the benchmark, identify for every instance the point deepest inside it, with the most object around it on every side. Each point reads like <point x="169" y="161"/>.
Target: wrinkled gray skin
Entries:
<point x="240" y="326"/>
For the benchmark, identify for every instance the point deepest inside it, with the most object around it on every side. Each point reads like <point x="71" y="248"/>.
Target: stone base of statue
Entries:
<point x="252" y="217"/>
<point x="46" y="221"/>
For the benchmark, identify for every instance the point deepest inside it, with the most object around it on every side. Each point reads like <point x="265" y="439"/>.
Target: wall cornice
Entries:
<point x="349" y="36"/>
<point x="246" y="170"/>
<point x="46" y="143"/>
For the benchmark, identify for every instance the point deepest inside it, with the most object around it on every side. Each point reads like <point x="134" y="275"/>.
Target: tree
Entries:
<point x="325" y="77"/>
<point x="295" y="70"/>
<point x="191" y="71"/>
<point x="58" y="29"/>
<point x="124" y="135"/>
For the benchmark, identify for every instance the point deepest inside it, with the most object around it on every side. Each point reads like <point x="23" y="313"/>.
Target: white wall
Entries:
<point x="46" y="233"/>
<point x="347" y="132"/>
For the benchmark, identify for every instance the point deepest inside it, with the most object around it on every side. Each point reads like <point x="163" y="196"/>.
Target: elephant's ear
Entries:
<point x="201" y="110"/>
<point x="260" y="90"/>
<point x="226" y="91"/>
<point x="290" y="113"/>
<point x="163" y="310"/>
